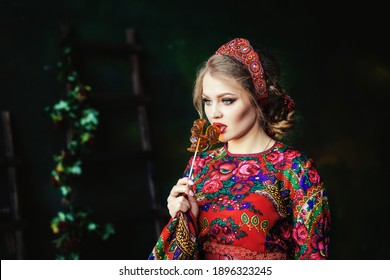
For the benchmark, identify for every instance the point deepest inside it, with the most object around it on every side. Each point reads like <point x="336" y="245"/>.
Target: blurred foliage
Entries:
<point x="74" y="114"/>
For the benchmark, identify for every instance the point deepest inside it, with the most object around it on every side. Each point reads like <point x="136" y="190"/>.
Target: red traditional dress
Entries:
<point x="269" y="205"/>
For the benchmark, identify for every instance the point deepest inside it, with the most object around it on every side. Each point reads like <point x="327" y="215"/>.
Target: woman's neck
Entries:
<point x="251" y="144"/>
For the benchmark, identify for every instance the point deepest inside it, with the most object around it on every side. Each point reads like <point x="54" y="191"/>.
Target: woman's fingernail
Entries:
<point x="190" y="182"/>
<point x="191" y="193"/>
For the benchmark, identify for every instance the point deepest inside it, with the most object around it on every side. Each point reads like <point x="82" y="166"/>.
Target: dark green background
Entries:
<point x="335" y="63"/>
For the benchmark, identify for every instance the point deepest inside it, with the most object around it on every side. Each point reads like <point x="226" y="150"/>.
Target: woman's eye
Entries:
<point x="206" y="101"/>
<point x="227" y="101"/>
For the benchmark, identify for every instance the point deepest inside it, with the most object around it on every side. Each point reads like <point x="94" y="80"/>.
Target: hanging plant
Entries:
<point x="74" y="114"/>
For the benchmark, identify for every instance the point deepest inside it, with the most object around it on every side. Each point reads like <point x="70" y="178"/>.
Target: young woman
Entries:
<point x="255" y="197"/>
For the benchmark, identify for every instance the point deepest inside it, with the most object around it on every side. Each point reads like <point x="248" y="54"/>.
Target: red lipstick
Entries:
<point x="221" y="126"/>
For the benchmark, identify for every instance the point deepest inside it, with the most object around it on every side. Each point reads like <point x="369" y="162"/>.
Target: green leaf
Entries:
<point x="85" y="137"/>
<point x="65" y="190"/>
<point x="92" y="226"/>
<point x="61" y="216"/>
<point x="76" y="168"/>
<point x="108" y="231"/>
<point x="70" y="217"/>
<point x="67" y="50"/>
<point x="62" y="105"/>
<point x="89" y="117"/>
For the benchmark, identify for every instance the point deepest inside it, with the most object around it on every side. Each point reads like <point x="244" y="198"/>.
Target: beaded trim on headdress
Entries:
<point x="241" y="50"/>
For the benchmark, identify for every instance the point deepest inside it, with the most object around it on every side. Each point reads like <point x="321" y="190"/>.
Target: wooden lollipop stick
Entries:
<point x="193" y="160"/>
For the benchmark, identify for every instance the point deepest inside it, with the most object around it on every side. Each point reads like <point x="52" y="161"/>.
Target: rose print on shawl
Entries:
<point x="231" y="181"/>
<point x="280" y="237"/>
<point x="319" y="242"/>
<point x="241" y="187"/>
<point x="212" y="186"/>
<point x="300" y="233"/>
<point x="200" y="163"/>
<point x="282" y="160"/>
<point x="246" y="169"/>
<point x="225" y="231"/>
<point x="275" y="157"/>
<point x="291" y="154"/>
<point x="223" y="170"/>
<point x="314" y="177"/>
<point x="224" y="195"/>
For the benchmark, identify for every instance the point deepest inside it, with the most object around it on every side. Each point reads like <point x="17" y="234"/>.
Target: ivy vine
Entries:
<point x="73" y="113"/>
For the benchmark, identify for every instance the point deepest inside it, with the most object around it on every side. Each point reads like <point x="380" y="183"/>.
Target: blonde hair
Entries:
<point x="275" y="117"/>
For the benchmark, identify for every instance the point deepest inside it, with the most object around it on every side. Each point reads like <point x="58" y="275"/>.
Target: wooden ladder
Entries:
<point x="144" y="126"/>
<point x="132" y="50"/>
<point x="10" y="221"/>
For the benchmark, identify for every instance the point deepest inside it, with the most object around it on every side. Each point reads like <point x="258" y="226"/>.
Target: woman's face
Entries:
<point x="227" y="105"/>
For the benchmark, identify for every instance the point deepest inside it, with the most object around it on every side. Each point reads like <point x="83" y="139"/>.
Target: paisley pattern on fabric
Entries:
<point x="177" y="240"/>
<point x="272" y="201"/>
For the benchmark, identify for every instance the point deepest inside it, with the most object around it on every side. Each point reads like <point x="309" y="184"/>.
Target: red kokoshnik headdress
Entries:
<point x="241" y="50"/>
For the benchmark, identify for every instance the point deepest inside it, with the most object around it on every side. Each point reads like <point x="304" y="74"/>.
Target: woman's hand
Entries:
<point x="177" y="202"/>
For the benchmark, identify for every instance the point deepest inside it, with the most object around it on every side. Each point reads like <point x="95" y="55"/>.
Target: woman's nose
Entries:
<point x="216" y="113"/>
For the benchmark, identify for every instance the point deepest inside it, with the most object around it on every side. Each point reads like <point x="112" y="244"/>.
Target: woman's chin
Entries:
<point x="222" y="139"/>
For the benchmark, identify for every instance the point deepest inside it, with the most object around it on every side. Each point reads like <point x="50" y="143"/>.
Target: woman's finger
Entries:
<point x="182" y="186"/>
<point x="178" y="204"/>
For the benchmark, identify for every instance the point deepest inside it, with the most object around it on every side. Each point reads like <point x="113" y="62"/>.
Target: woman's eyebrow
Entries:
<point x="220" y="95"/>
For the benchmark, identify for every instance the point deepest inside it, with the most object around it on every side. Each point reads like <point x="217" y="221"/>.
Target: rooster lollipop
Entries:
<point x="199" y="141"/>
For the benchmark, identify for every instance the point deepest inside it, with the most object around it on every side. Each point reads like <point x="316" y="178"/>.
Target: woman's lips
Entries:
<point x="221" y="126"/>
